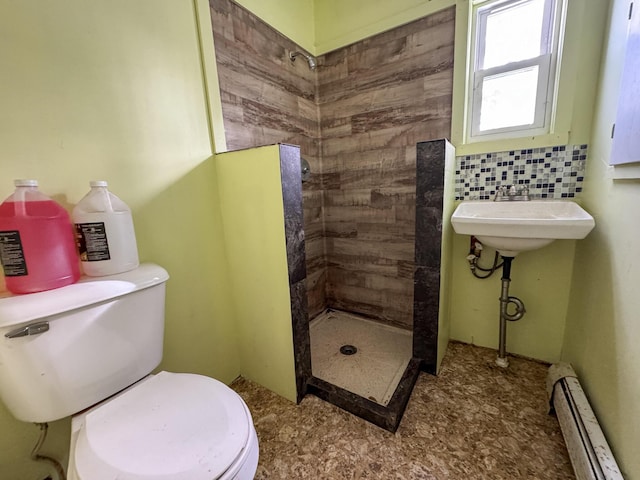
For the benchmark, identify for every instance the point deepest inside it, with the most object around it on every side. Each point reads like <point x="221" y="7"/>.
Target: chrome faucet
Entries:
<point x="511" y="193"/>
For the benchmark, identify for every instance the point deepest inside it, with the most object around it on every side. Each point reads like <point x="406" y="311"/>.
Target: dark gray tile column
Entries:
<point x="290" y="174"/>
<point x="429" y="209"/>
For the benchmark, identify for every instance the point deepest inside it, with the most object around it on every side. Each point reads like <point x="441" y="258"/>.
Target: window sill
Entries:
<point x="508" y="144"/>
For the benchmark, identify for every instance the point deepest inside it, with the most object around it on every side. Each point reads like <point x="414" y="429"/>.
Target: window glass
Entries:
<point x="509" y="99"/>
<point x="513" y="34"/>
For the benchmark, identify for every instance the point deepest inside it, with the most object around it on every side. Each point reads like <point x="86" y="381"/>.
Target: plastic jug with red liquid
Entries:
<point x="37" y="242"/>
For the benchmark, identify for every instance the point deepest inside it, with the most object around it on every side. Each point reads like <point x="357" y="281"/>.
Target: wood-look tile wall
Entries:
<point x="378" y="99"/>
<point x="268" y="99"/>
<point x="358" y="119"/>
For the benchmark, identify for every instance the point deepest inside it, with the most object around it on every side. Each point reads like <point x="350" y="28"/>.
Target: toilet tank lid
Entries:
<point x="17" y="309"/>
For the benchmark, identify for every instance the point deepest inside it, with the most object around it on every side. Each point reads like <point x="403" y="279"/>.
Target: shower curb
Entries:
<point x="387" y="417"/>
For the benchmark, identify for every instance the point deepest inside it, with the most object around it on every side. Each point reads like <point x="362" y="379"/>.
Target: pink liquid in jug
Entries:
<point x="39" y="251"/>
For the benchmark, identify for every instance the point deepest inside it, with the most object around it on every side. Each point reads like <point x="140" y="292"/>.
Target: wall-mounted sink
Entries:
<point x="515" y="226"/>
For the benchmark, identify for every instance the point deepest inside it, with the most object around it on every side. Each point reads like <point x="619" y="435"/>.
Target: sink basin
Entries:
<point x="512" y="227"/>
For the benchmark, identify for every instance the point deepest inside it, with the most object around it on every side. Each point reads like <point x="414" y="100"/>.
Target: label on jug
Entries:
<point x="12" y="254"/>
<point x="92" y="242"/>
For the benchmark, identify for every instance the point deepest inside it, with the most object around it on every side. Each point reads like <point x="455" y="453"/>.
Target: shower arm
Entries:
<point x="310" y="60"/>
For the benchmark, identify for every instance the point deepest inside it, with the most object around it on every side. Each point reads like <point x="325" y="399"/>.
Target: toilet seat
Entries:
<point x="170" y="426"/>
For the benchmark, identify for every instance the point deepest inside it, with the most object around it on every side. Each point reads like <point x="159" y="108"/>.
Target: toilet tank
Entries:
<point x="64" y="350"/>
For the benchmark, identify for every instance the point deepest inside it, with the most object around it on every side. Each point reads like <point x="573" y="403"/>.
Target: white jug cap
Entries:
<point x="25" y="183"/>
<point x="97" y="183"/>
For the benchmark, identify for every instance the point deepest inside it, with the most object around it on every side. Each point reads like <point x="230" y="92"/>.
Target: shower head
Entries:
<point x="310" y="60"/>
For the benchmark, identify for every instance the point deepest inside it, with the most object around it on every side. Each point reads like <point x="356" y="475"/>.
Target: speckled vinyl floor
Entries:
<point x="473" y="421"/>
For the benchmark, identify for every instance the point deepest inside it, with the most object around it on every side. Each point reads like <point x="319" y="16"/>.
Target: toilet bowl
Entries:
<point x="87" y="351"/>
<point x="173" y="426"/>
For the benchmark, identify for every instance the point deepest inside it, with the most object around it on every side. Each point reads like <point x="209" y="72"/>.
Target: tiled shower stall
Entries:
<point x="357" y="119"/>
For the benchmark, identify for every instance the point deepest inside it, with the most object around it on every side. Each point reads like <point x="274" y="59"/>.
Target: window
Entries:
<point x="513" y="70"/>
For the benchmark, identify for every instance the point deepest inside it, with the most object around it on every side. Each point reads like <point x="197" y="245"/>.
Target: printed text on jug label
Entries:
<point x="92" y="242"/>
<point x="12" y="254"/>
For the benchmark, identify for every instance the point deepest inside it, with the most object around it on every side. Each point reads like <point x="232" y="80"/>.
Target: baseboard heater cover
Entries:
<point x="588" y="449"/>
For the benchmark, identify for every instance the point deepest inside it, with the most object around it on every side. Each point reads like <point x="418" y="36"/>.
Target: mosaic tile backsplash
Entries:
<point x="549" y="172"/>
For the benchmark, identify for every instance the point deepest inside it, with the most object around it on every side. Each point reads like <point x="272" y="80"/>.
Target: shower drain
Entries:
<point x="348" y="349"/>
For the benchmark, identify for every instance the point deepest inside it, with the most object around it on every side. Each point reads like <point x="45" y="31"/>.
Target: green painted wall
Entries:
<point x="579" y="69"/>
<point x="253" y="219"/>
<point x="603" y="326"/>
<point x="339" y="23"/>
<point x="114" y="90"/>
<point x="540" y="278"/>
<point x="293" y="18"/>
<point x="320" y="26"/>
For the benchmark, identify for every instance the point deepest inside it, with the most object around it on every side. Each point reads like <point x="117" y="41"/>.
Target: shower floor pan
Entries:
<point x="362" y="366"/>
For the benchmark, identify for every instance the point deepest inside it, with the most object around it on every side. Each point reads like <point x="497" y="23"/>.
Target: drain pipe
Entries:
<point x="505" y="316"/>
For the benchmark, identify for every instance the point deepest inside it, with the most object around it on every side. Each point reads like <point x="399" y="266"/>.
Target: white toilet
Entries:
<point x="87" y="350"/>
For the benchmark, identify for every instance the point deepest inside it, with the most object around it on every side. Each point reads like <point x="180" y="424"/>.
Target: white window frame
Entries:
<point x="547" y="64"/>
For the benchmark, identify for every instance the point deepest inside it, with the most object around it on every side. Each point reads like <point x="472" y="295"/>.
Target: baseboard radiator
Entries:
<point x="588" y="449"/>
